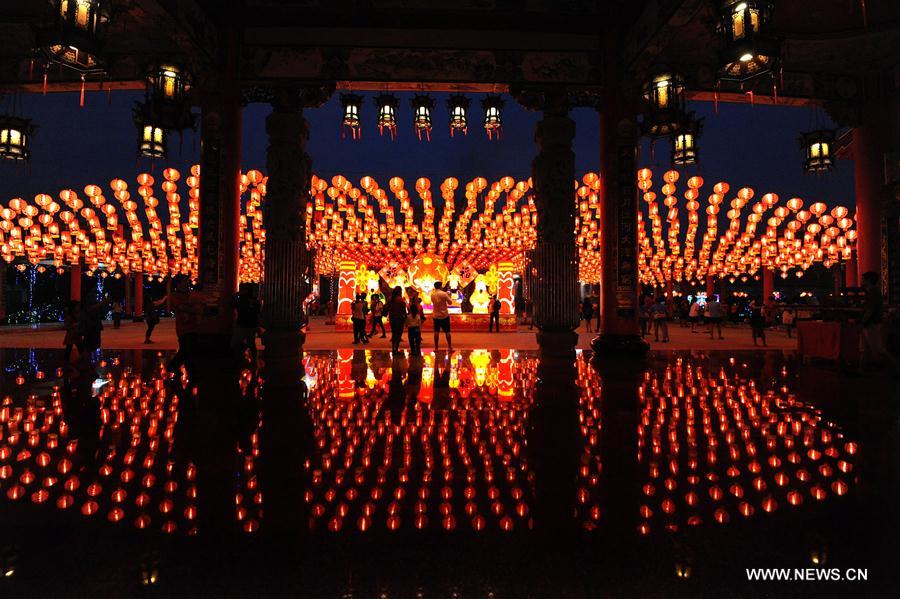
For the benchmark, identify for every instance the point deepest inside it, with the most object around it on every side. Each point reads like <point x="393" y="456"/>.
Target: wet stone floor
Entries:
<point x="444" y="475"/>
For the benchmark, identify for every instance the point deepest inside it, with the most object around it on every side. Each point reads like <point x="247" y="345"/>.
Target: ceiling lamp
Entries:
<point x="74" y="40"/>
<point x="152" y="135"/>
<point x="817" y="150"/>
<point x="749" y="48"/>
<point x="15" y="135"/>
<point x="684" y="141"/>
<point x="663" y="95"/>
<point x="387" y="114"/>
<point x="168" y="91"/>
<point x="422" y="106"/>
<point x="493" y="118"/>
<point x="351" y="122"/>
<point x="459" y="108"/>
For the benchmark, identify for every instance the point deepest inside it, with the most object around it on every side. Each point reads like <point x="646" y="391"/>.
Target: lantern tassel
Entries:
<point x="46" y="73"/>
<point x="750" y="93"/>
<point x="81" y="99"/>
<point x="31" y="69"/>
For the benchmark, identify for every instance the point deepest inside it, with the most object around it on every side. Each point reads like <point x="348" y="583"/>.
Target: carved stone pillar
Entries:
<point x="619" y="325"/>
<point x="220" y="187"/>
<point x="554" y="292"/>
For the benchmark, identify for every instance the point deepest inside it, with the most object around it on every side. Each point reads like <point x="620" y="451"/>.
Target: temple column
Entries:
<point x="138" y="296"/>
<point x="286" y="430"/>
<point x="220" y="189"/>
<point x="75" y="283"/>
<point x="876" y="147"/>
<point x="619" y="325"/>
<point x="768" y="280"/>
<point x="710" y="285"/>
<point x="851" y="278"/>
<point x="553" y="438"/>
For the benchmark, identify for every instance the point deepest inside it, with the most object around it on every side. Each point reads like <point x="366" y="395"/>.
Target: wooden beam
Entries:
<point x="737" y="98"/>
<point x="412" y="86"/>
<point x="72" y="86"/>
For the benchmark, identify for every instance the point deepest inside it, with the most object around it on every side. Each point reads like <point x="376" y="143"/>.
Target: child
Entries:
<point x="414" y="329"/>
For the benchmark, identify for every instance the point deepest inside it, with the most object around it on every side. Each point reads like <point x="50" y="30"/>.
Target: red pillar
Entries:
<point x="138" y="295"/>
<point x="129" y="307"/>
<point x="169" y="295"/>
<point x="619" y="327"/>
<point x="768" y="277"/>
<point x="871" y="141"/>
<point x="75" y="283"/>
<point x="220" y="173"/>
<point x="851" y="278"/>
<point x="710" y="285"/>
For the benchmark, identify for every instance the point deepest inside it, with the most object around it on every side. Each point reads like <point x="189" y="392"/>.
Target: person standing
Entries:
<point x="694" y="315"/>
<point x="715" y="312"/>
<point x="587" y="312"/>
<point x="396" y="317"/>
<point x="117" y="311"/>
<point x="787" y="319"/>
<point x="246" y="325"/>
<point x="151" y="317"/>
<point x="494" y="315"/>
<point x="414" y="328"/>
<point x="440" y="301"/>
<point x="188" y="307"/>
<point x="645" y="303"/>
<point x="358" y="318"/>
<point x="658" y="313"/>
<point x="376" y="309"/>
<point x="90" y="329"/>
<point x="758" y="321"/>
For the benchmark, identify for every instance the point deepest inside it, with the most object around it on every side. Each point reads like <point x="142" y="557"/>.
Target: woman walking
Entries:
<point x="587" y="312"/>
<point x="757" y="321"/>
<point x="396" y="317"/>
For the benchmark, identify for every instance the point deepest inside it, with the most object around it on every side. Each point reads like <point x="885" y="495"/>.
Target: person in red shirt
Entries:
<point x="188" y="307"/>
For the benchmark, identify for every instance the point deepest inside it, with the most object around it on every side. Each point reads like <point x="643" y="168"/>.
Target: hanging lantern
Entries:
<point x="684" y="142"/>
<point x="15" y="135"/>
<point x="817" y="150"/>
<point x="459" y="119"/>
<point x="152" y="134"/>
<point x="351" y="104"/>
<point x="74" y="40"/>
<point x="749" y="48"/>
<point x="422" y="106"/>
<point x="663" y="95"/>
<point x="493" y="118"/>
<point x="169" y="83"/>
<point x="387" y="114"/>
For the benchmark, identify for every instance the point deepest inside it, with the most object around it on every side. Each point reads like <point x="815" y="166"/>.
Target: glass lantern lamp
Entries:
<point x="663" y="95"/>
<point x="493" y="116"/>
<point x="15" y="137"/>
<point x="685" y="142"/>
<point x="422" y="107"/>
<point x="458" y="106"/>
<point x="748" y="47"/>
<point x="351" y="105"/>
<point x="387" y="114"/>
<point x="818" y="147"/>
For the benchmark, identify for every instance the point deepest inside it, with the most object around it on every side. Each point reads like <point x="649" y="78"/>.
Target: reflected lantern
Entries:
<point x="459" y="109"/>
<point x="351" y="122"/>
<point x="663" y="95"/>
<point x="422" y="106"/>
<point x="15" y="135"/>
<point x="74" y="40"/>
<point x="817" y="150"/>
<point x="749" y="48"/>
<point x="684" y="142"/>
<point x="493" y="118"/>
<point x="387" y="114"/>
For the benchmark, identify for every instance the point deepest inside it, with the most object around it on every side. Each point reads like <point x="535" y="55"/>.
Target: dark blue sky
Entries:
<point x="744" y="145"/>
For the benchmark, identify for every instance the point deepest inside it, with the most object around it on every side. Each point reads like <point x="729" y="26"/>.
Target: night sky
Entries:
<point x="744" y="145"/>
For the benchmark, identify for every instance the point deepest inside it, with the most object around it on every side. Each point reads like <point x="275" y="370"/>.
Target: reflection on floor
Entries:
<point x="433" y="441"/>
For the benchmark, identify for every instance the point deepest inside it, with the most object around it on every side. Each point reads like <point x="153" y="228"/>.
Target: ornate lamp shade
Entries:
<point x="818" y="147"/>
<point x="15" y="137"/>
<point x="351" y="105"/>
<point x="663" y="97"/>
<point x="169" y="83"/>
<point x="75" y="39"/>
<point x="748" y="47"/>
<point x="493" y="116"/>
<point x="387" y="114"/>
<point x="422" y="107"/>
<point x="152" y="135"/>
<point x="685" y="142"/>
<point x="459" y="114"/>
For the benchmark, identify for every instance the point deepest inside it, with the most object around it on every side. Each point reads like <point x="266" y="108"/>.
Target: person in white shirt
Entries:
<point x="694" y="314"/>
<point x="440" y="314"/>
<point x="715" y="312"/>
